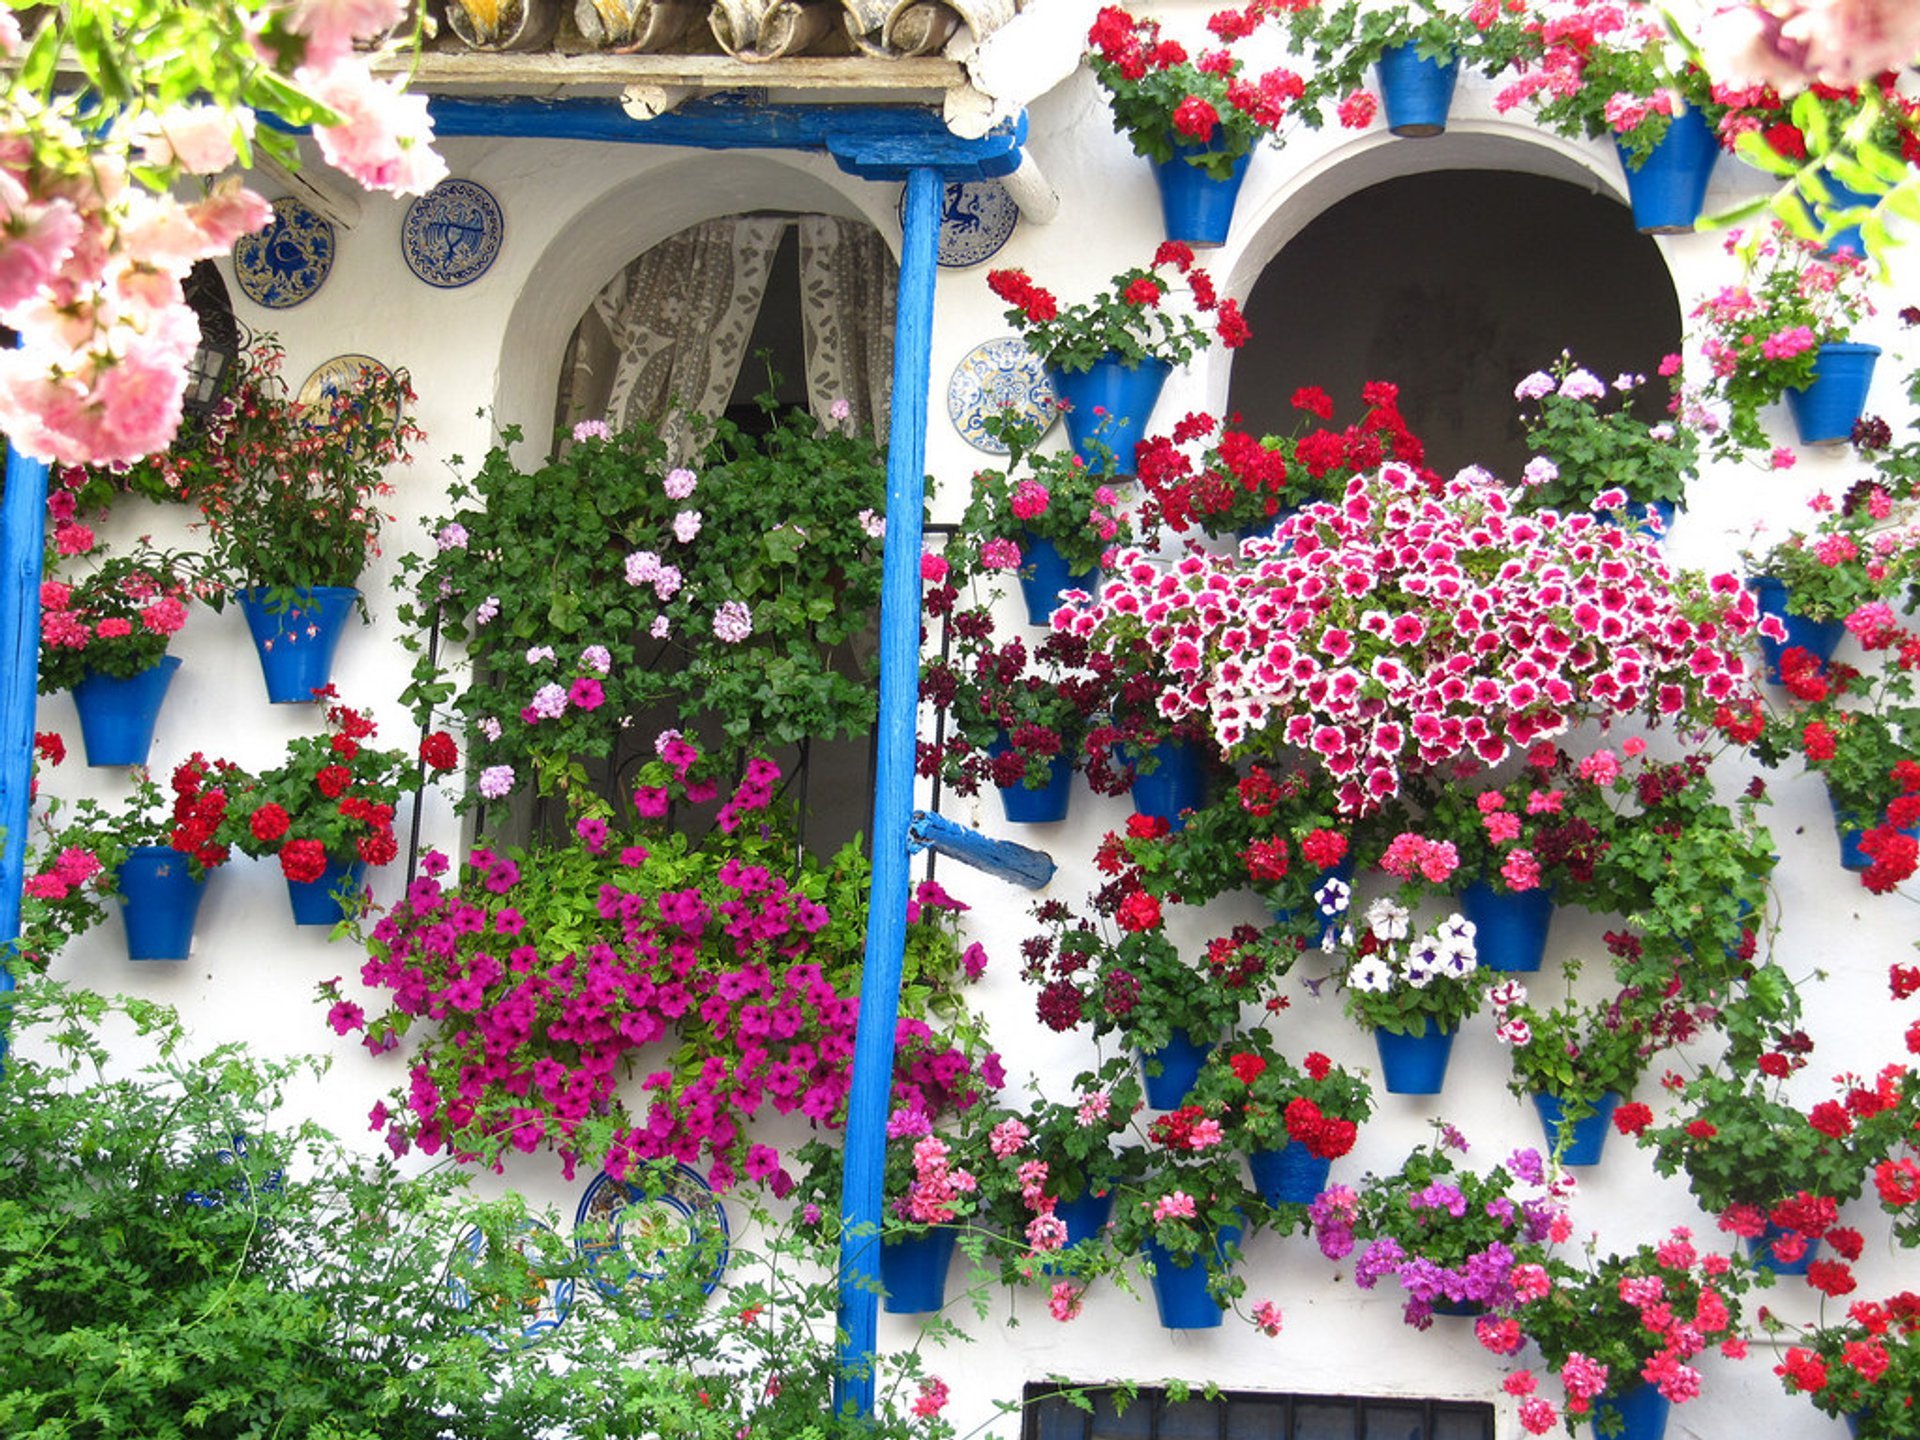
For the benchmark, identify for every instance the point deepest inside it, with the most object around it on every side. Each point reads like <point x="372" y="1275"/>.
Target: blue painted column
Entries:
<point x="868" y="1104"/>
<point x="22" y="539"/>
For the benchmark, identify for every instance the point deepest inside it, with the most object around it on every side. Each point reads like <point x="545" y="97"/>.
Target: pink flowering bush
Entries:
<point x="1762" y="336"/>
<point x="724" y="974"/>
<point x="1056" y="497"/>
<point x="613" y="584"/>
<point x="116" y="619"/>
<point x="1406" y="629"/>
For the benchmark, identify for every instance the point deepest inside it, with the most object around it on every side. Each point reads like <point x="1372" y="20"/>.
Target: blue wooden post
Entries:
<point x="22" y="531"/>
<point x="867" y="1105"/>
<point x="1003" y="859"/>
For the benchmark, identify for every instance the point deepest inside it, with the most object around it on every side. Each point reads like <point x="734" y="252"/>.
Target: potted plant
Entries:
<point x="1621" y="1331"/>
<point x="326" y="810"/>
<point x="1290" y="1121"/>
<point x="1619" y="74"/>
<point x="609" y="583"/>
<point x="1780" y="331"/>
<point x="1587" y="440"/>
<point x="290" y="491"/>
<point x="1770" y="1171"/>
<point x="1411" y="989"/>
<point x="1062" y="513"/>
<point x="104" y="636"/>
<point x="1415" y="49"/>
<point x="1109" y="356"/>
<point x="1197" y="120"/>
<point x="1457" y="1239"/>
<point x="1864" y="1369"/>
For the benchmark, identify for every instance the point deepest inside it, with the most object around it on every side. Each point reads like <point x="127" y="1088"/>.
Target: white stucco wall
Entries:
<point x="491" y="351"/>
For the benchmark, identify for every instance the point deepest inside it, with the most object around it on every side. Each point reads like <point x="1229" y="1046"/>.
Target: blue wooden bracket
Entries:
<point x="871" y="141"/>
<point x="1016" y="864"/>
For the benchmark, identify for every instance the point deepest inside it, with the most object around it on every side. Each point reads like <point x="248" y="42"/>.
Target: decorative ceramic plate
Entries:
<point x="993" y="376"/>
<point x="976" y="218"/>
<point x="452" y="233"/>
<point x="539" y="1314"/>
<point x="282" y="265"/>
<point x="631" y="1230"/>
<point x="342" y="375"/>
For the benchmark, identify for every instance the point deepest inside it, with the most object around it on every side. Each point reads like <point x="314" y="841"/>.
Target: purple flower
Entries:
<point x="496" y="781"/>
<point x="733" y="622"/>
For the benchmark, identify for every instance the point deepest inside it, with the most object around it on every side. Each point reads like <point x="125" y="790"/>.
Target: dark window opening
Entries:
<point x="1249" y="1415"/>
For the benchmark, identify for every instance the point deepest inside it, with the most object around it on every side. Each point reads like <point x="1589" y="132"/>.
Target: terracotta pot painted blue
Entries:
<point x="913" y="1271"/>
<point x="1179" y="1063"/>
<point x="1085" y="1216"/>
<point x="1589" y="1136"/>
<point x="1642" y="1411"/>
<point x="1414" y="1064"/>
<point x="159" y="901"/>
<point x="1025" y="805"/>
<point x="1669" y="187"/>
<point x="1510" y="929"/>
<point x="1180" y="1290"/>
<point x="1109" y="408"/>
<point x="1459" y="1309"/>
<point x="317" y="902"/>
<point x="1853" y="1419"/>
<point x="297" y="644"/>
<point x="1194" y="206"/>
<point x="1290" y="1175"/>
<point x="1178" y="782"/>
<point x="1050" y="575"/>
<point x="117" y="716"/>
<point x="1851" y="829"/>
<point x="1760" y="1247"/>
<point x="1820" y="638"/>
<point x="1418" y="93"/>
<point x="1824" y="412"/>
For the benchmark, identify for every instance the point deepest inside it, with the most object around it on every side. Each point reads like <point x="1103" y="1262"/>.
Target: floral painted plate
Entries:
<point x="992" y="376"/>
<point x="976" y="218"/>
<point x="282" y="265"/>
<point x="539" y="1315"/>
<point x="452" y="233"/>
<point x="630" y="1230"/>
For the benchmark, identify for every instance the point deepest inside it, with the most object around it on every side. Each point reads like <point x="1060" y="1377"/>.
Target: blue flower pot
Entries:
<point x="117" y="716"/>
<point x="1589" y="1135"/>
<point x="1196" y="207"/>
<point x="1178" y="782"/>
<point x="1414" y="1064"/>
<point x="1283" y="915"/>
<point x="1818" y="637"/>
<point x="1760" y="1248"/>
<point x="1510" y="930"/>
<point x="1642" y="1411"/>
<point x="317" y="902"/>
<point x="159" y="901"/>
<point x="1290" y="1175"/>
<point x="1044" y="806"/>
<point x="1085" y="1216"/>
<point x="1180" y="1063"/>
<point x="1180" y="1289"/>
<point x="1109" y="408"/>
<point x="913" y="1271"/>
<point x="1418" y="93"/>
<point x="1050" y="575"/>
<point x="1670" y="186"/>
<point x="297" y="644"/>
<point x="1845" y="197"/>
<point x="1824" y="412"/>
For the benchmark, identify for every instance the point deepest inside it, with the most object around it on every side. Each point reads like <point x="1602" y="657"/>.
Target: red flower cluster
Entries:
<point x="1326" y="1137"/>
<point x="199" y="808"/>
<point x="1016" y="287"/>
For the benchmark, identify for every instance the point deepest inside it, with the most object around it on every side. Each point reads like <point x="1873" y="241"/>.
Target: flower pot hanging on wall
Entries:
<point x="913" y="1271"/>
<point x="1819" y="638"/>
<point x="1641" y="1411"/>
<point x="1109" y="407"/>
<point x="317" y="901"/>
<point x="1668" y="188"/>
<point x="1824" y="413"/>
<point x="1417" y="93"/>
<point x="117" y="716"/>
<point x="1179" y="1064"/>
<point x="1196" y="207"/>
<point x="159" y="901"/>
<point x="1414" y="1064"/>
<point x="1510" y="927"/>
<point x="1026" y="805"/>
<point x="1050" y="574"/>
<point x="297" y="641"/>
<point x="1589" y="1133"/>
<point x="1180" y="1284"/>
<point x="1177" y="782"/>
<point x="1289" y="1175"/>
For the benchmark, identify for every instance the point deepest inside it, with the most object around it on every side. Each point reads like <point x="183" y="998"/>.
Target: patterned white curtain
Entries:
<point x="847" y="291"/>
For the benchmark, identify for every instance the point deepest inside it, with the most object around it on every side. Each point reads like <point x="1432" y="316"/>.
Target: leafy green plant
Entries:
<point x="1587" y="441"/>
<point x="1126" y="321"/>
<point x="1345" y="39"/>
<point x="116" y="619"/>
<point x="1577" y="1051"/>
<point x="1266" y="1101"/>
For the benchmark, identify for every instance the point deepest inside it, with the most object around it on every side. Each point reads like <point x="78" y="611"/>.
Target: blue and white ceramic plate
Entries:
<point x="452" y="233"/>
<point x="991" y="377"/>
<point x="282" y="265"/>
<point x="540" y="1313"/>
<point x="342" y="375"/>
<point x="624" y="1233"/>
<point x="976" y="218"/>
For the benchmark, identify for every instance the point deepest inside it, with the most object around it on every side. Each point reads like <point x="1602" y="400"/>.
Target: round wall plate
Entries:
<point x="282" y="265"/>
<point x="452" y="233"/>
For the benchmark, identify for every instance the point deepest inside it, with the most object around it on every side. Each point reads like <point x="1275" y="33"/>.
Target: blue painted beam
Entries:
<point x="23" y="515"/>
<point x="1016" y="864"/>
<point x="862" y="1175"/>
<point x="874" y="142"/>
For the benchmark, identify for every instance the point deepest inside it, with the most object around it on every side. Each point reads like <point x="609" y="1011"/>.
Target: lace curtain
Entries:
<point x="672" y="328"/>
